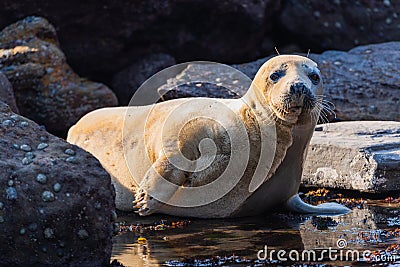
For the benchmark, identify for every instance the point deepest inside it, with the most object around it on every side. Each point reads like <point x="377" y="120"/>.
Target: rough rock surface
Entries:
<point x="103" y="38"/>
<point x="126" y="82"/>
<point x="363" y="156"/>
<point x="341" y="24"/>
<point x="56" y="201"/>
<point x="351" y="80"/>
<point x="364" y="83"/>
<point x="205" y="80"/>
<point x="46" y="88"/>
<point x="7" y="93"/>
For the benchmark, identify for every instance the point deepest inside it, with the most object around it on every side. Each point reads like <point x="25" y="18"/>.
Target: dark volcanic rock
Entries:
<point x="126" y="82"/>
<point x="56" y="201"/>
<point x="102" y="38"/>
<point x="7" y="93"/>
<point x="341" y="24"/>
<point x="46" y="88"/>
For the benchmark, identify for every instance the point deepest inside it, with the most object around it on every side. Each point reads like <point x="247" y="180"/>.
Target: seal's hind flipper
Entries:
<point x="297" y="205"/>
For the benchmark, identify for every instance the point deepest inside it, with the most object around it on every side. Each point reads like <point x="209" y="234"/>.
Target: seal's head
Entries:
<point x="290" y="85"/>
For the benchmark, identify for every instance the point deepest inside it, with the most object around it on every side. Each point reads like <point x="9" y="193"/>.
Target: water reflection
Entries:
<point x="364" y="228"/>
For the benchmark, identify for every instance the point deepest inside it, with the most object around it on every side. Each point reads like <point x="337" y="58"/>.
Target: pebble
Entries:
<point x="83" y="234"/>
<point x="47" y="196"/>
<point x="26" y="161"/>
<point x="69" y="151"/>
<point x="30" y="155"/>
<point x="43" y="138"/>
<point x="22" y="231"/>
<point x="14" y="117"/>
<point x="372" y="109"/>
<point x="57" y="187"/>
<point x="11" y="193"/>
<point x="10" y="183"/>
<point x="71" y="160"/>
<point x="8" y="123"/>
<point x="41" y="178"/>
<point x="16" y="146"/>
<point x="23" y="123"/>
<point x="25" y="147"/>
<point x="97" y="206"/>
<point x="33" y="227"/>
<point x="42" y="146"/>
<point x="1" y="205"/>
<point x="61" y="244"/>
<point x="48" y="233"/>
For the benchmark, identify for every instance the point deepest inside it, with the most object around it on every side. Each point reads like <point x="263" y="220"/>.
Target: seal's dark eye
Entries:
<point x="274" y="76"/>
<point x="314" y="78"/>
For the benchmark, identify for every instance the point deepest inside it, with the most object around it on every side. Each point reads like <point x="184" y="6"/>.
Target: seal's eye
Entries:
<point x="314" y="78"/>
<point x="274" y="76"/>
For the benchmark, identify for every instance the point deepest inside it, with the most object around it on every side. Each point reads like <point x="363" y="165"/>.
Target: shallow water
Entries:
<point x="236" y="242"/>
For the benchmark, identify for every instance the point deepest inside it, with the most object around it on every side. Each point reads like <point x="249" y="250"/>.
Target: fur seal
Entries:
<point x="164" y="160"/>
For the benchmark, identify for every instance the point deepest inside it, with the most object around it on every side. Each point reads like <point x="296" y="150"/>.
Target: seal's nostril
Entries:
<point x="298" y="88"/>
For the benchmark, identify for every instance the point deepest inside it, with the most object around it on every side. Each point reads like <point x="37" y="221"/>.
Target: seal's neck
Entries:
<point x="260" y="105"/>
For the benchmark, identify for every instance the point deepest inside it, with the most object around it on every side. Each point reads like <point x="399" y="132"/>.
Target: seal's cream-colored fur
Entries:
<point x="100" y="132"/>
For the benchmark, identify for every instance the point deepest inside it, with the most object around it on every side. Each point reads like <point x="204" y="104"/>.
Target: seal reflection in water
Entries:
<point x="170" y="157"/>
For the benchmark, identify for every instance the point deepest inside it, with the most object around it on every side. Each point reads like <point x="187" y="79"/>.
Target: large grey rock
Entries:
<point x="56" y="201"/>
<point x="364" y="83"/>
<point x="46" y="89"/>
<point x="363" y="156"/>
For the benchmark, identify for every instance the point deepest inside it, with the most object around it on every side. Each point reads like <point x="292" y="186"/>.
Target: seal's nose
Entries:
<point x="298" y="88"/>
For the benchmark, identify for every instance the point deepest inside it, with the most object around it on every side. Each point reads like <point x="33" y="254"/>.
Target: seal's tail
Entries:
<point x="297" y="205"/>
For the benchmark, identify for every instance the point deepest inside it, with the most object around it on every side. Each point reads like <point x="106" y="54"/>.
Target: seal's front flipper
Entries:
<point x="159" y="185"/>
<point x="297" y="205"/>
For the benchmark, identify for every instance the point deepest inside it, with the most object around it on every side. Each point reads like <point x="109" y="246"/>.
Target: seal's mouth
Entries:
<point x="290" y="107"/>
